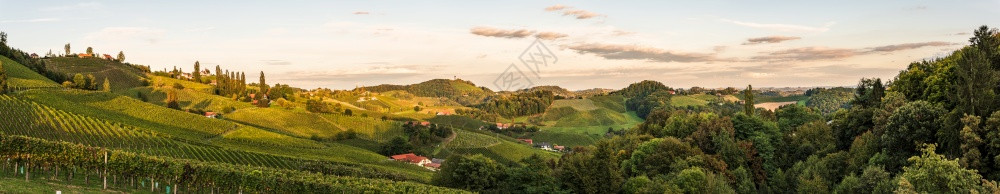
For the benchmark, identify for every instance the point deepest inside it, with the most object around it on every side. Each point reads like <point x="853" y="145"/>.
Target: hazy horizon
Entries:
<point x="598" y="44"/>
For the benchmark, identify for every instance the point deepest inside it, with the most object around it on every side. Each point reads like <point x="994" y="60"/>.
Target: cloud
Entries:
<point x="824" y="53"/>
<point x="960" y="34"/>
<point x="517" y="33"/>
<point x="360" y="13"/>
<point x="782" y="27"/>
<point x="276" y="62"/>
<point x="568" y="11"/>
<point x="78" y="6"/>
<point x="631" y="52"/>
<point x="550" y="35"/>
<point x="149" y="35"/>
<point x="808" y="54"/>
<point x="556" y="7"/>
<point x="501" y="33"/>
<point x="36" y="20"/>
<point x="581" y="14"/>
<point x="770" y="39"/>
<point x="907" y="46"/>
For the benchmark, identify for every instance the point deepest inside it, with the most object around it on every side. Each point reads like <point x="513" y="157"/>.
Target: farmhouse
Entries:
<point x="559" y="147"/>
<point x="411" y="158"/>
<point x="504" y="125"/>
<point x="211" y="115"/>
<point x="34" y="56"/>
<point x="546" y="146"/>
<point x="84" y="55"/>
<point x="425" y="124"/>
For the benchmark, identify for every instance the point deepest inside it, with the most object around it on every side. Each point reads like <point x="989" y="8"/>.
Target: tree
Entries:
<point x="106" y="86"/>
<point x="3" y="76"/>
<point x="909" y="126"/>
<point x="90" y="51"/>
<point x="869" y="93"/>
<point x="196" y="74"/>
<point x="79" y="81"/>
<point x="263" y="85"/>
<point x="975" y="82"/>
<point x="748" y="101"/>
<point x="593" y="169"/>
<point x="397" y="145"/>
<point x="534" y="176"/>
<point x="475" y="173"/>
<point x="3" y="38"/>
<point x="91" y="82"/>
<point x="348" y="112"/>
<point x="933" y="173"/>
<point x="121" y="56"/>
<point x="67" y="49"/>
<point x="172" y="100"/>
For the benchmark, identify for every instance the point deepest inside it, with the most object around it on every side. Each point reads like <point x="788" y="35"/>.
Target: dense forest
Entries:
<point x="934" y="129"/>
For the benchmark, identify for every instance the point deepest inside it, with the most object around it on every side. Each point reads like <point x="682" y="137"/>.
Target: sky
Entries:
<point x="590" y="44"/>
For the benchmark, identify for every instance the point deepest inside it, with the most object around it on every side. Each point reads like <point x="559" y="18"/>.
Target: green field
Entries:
<point x="122" y="76"/>
<point x="501" y="150"/>
<point x="682" y="101"/>
<point x="206" y="133"/>
<point x="19" y="76"/>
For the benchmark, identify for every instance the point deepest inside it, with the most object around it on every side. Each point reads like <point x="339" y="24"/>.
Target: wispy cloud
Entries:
<point x="569" y="11"/>
<point x="632" y="52"/>
<point x="825" y="53"/>
<point x="36" y="20"/>
<point x="550" y="35"/>
<point x="908" y="46"/>
<point x="78" y="6"/>
<point x="501" y="33"/>
<point x="360" y="13"/>
<point x="770" y="39"/>
<point x="782" y="27"/>
<point x="515" y="33"/>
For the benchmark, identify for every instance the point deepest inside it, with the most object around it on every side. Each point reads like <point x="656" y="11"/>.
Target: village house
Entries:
<point x="425" y="124"/>
<point x="559" y="147"/>
<point x="546" y="146"/>
<point x="108" y="57"/>
<point x="84" y="55"/>
<point x="34" y="56"/>
<point x="411" y="158"/>
<point x="445" y="113"/>
<point x="504" y="125"/>
<point x="211" y="115"/>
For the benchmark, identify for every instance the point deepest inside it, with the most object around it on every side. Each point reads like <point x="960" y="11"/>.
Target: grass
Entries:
<point x="121" y="76"/>
<point x="682" y="101"/>
<point x="18" y="185"/>
<point x="20" y="76"/>
<point x="578" y="104"/>
<point x="504" y="151"/>
<point x="215" y="134"/>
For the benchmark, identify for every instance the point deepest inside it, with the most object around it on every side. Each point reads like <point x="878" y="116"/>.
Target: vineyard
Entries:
<point x="124" y="76"/>
<point x="20" y="77"/>
<point x="128" y="170"/>
<point x="470" y="143"/>
<point x="299" y="124"/>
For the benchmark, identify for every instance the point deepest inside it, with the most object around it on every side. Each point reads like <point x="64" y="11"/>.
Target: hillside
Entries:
<point x="461" y="91"/>
<point x="122" y="76"/>
<point x="20" y="77"/>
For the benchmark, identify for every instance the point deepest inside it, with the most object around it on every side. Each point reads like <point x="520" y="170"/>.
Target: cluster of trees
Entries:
<point x="119" y="169"/>
<point x="519" y="104"/>
<point x="514" y="130"/>
<point x="88" y="82"/>
<point x="230" y="84"/>
<point x="935" y="129"/>
<point x="421" y="135"/>
<point x="461" y="91"/>
<point x="478" y="114"/>
<point x="645" y="96"/>
<point x="830" y="100"/>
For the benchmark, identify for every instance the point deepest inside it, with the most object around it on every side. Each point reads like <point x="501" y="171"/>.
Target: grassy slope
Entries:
<point x="687" y="101"/>
<point x="575" y="122"/>
<point x="501" y="150"/>
<point x="214" y="132"/>
<point x="122" y="76"/>
<point x="20" y="76"/>
<point x="193" y="96"/>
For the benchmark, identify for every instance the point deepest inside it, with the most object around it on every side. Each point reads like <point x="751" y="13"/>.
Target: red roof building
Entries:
<point x="425" y="123"/>
<point x="108" y="57"/>
<point x="526" y="141"/>
<point x="211" y="114"/>
<point x="411" y="158"/>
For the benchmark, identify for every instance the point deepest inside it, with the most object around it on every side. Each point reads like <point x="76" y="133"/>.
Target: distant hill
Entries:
<point x="556" y="90"/>
<point x="122" y="76"/>
<point x="461" y="91"/>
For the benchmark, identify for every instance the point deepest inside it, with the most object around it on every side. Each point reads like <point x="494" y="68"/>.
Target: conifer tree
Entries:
<point x="748" y="107"/>
<point x="196" y="74"/>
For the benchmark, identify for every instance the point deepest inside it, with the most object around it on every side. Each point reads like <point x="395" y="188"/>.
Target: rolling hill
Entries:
<point x="122" y="76"/>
